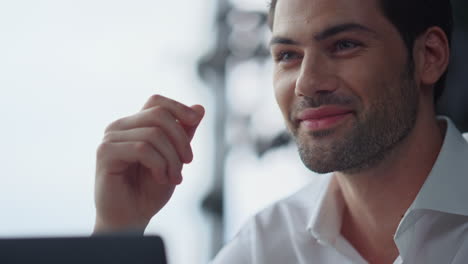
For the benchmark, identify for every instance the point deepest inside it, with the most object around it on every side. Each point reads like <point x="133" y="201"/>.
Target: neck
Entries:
<point x="377" y="198"/>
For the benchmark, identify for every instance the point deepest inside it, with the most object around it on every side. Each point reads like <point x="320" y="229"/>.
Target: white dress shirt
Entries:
<point x="305" y="228"/>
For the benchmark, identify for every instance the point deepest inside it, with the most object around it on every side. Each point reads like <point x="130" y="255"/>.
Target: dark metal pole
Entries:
<point x="212" y="69"/>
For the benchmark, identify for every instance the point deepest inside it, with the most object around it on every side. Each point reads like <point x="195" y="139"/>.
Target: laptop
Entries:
<point x="90" y="250"/>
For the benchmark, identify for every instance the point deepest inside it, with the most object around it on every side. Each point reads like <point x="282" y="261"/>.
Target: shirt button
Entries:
<point x="321" y="242"/>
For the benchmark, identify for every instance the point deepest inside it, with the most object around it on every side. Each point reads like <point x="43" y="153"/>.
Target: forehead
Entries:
<point x="314" y="15"/>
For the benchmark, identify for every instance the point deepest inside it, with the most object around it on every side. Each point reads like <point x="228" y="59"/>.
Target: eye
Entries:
<point x="344" y="45"/>
<point x="286" y="56"/>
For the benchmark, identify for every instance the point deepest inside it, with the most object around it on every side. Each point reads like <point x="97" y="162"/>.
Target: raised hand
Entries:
<point x="139" y="163"/>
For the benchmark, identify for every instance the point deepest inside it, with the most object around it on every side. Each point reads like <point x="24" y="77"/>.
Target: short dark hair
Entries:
<point x="411" y="18"/>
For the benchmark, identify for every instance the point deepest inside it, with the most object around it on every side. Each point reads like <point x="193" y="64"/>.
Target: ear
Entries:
<point x="432" y="55"/>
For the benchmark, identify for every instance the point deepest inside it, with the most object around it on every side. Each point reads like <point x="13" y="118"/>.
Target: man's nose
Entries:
<point x="316" y="76"/>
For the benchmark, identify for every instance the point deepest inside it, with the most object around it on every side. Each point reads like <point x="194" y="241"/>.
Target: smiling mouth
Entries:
<point x="323" y="118"/>
<point x="323" y="123"/>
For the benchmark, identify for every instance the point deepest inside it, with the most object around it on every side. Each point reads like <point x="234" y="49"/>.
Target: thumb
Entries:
<point x="191" y="129"/>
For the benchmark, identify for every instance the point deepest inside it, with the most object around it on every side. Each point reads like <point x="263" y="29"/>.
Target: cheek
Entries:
<point x="361" y="82"/>
<point x="284" y="85"/>
<point x="377" y="76"/>
<point x="366" y="81"/>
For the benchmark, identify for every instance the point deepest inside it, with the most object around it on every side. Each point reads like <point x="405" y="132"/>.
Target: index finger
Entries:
<point x="181" y="112"/>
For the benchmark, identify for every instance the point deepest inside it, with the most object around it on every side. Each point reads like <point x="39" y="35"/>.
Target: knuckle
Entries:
<point x="160" y="114"/>
<point x="155" y="132"/>
<point x="157" y="111"/>
<point x="141" y="147"/>
<point x="103" y="149"/>
<point x="113" y="125"/>
<point x="108" y="137"/>
<point x="155" y="98"/>
<point x="154" y="111"/>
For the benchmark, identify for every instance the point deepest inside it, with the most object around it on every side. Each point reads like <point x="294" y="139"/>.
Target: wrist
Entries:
<point x="102" y="227"/>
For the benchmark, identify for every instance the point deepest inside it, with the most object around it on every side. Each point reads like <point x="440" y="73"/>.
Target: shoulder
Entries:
<point x="282" y="225"/>
<point x="279" y="226"/>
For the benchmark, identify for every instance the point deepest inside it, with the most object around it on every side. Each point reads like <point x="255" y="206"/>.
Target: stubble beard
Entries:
<point x="372" y="136"/>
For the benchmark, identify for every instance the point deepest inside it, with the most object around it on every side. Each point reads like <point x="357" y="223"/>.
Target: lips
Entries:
<point x="323" y="118"/>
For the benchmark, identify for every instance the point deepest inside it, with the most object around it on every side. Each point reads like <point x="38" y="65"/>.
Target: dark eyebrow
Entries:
<point x="281" y="40"/>
<point x="329" y="32"/>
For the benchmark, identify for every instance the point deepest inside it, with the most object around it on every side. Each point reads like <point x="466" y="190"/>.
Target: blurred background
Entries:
<point x="68" y="68"/>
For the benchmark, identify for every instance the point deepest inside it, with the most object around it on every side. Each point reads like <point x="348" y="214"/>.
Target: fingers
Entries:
<point x="113" y="153"/>
<point x="190" y="130"/>
<point x="163" y="130"/>
<point x="181" y="112"/>
<point x="159" y="141"/>
<point x="161" y="118"/>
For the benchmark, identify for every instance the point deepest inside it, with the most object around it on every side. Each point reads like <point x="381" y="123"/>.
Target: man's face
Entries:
<point x="343" y="82"/>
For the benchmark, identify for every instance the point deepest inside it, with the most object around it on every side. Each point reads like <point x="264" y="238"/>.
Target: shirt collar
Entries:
<point x="325" y="220"/>
<point x="445" y="188"/>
